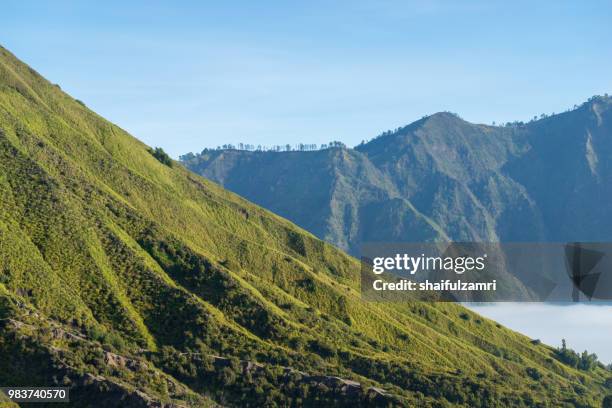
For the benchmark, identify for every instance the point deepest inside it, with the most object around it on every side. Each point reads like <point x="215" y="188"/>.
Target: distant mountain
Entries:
<point x="440" y="178"/>
<point x="336" y="193"/>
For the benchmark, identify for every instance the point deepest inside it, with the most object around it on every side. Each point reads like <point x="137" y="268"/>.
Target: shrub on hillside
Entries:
<point x="161" y="155"/>
<point x="584" y="361"/>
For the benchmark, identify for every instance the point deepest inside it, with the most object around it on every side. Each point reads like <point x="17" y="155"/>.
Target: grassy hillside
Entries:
<point x="134" y="281"/>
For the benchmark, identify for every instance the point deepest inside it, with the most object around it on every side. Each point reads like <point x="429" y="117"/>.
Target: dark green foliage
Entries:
<point x="322" y="348"/>
<point x="584" y="361"/>
<point x="534" y="373"/>
<point x="161" y="155"/>
<point x="587" y="361"/>
<point x="567" y="355"/>
<point x="248" y="384"/>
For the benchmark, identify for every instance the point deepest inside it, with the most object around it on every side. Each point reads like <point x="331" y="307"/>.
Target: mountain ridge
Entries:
<point x="471" y="182"/>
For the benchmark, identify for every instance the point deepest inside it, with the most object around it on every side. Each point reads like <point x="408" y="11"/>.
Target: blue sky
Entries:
<point x="190" y="75"/>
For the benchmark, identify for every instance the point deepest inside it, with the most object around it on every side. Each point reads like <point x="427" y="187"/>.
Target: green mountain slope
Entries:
<point x="138" y="283"/>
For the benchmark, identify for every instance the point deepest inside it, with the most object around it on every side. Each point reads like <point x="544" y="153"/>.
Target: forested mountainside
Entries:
<point x="137" y="283"/>
<point x="440" y="178"/>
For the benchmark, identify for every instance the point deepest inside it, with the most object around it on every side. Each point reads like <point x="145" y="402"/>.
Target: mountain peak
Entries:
<point x="444" y="115"/>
